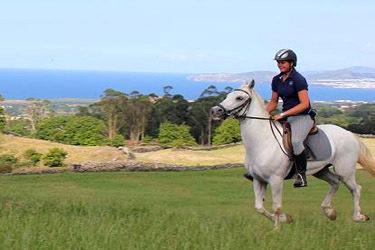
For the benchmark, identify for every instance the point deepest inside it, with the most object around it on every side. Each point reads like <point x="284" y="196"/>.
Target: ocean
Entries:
<point x="54" y="84"/>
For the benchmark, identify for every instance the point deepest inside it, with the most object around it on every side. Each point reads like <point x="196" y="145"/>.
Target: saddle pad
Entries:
<point x="319" y="146"/>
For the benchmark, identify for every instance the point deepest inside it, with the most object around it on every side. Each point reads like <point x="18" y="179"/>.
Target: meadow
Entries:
<point x="172" y="210"/>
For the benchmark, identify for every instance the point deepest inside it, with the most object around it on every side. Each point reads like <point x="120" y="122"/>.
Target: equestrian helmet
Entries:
<point x="286" y="55"/>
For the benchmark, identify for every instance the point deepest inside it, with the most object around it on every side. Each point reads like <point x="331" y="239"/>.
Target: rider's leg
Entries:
<point x="300" y="162"/>
<point x="300" y="127"/>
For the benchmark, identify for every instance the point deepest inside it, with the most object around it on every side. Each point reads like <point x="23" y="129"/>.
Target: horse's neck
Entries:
<point x="256" y="130"/>
<point x="257" y="107"/>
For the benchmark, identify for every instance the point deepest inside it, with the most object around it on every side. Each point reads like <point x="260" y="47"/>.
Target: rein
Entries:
<point x="273" y="126"/>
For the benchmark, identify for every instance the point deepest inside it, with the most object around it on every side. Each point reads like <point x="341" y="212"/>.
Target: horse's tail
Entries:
<point x="366" y="159"/>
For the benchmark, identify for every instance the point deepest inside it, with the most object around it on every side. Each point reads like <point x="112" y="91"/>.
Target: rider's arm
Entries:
<point x="272" y="105"/>
<point x="304" y="104"/>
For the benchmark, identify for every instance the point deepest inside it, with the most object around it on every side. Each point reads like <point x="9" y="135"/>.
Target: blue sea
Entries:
<point x="53" y="84"/>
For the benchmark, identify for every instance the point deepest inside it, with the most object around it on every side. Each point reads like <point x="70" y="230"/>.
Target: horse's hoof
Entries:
<point x="286" y="218"/>
<point x="330" y="213"/>
<point x="362" y="218"/>
<point x="333" y="216"/>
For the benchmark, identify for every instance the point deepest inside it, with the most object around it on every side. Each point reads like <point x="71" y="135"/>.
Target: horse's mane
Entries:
<point x="260" y="99"/>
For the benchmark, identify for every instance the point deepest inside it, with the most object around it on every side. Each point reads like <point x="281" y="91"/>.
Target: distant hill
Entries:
<point x="353" y="77"/>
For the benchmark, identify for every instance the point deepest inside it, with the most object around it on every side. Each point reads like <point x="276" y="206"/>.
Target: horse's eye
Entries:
<point x="239" y="98"/>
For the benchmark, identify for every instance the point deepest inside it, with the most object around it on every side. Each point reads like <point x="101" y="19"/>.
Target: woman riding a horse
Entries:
<point x="292" y="88"/>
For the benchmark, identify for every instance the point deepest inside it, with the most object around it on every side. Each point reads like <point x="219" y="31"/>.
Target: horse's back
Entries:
<point x="345" y="145"/>
<point x="334" y="131"/>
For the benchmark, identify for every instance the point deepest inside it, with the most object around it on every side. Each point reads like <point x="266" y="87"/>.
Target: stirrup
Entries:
<point x="300" y="181"/>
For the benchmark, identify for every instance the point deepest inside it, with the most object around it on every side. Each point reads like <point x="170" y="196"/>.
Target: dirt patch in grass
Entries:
<point x="186" y="157"/>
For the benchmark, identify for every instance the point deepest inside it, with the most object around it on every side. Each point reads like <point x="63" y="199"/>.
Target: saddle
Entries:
<point x="287" y="139"/>
<point x="317" y="145"/>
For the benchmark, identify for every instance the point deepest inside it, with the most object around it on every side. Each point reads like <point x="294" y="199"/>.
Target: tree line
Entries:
<point x="170" y="120"/>
<point x="118" y="116"/>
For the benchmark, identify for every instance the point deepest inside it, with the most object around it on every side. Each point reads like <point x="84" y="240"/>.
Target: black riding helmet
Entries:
<point x="286" y="55"/>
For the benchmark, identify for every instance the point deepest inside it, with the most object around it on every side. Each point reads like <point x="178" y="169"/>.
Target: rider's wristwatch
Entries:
<point x="282" y="115"/>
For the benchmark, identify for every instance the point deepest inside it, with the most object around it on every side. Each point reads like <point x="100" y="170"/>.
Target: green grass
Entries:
<point x="172" y="210"/>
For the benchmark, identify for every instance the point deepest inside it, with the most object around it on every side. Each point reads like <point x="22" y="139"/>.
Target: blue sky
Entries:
<point x="196" y="36"/>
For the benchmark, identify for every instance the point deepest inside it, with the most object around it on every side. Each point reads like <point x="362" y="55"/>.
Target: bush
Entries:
<point x="2" y="119"/>
<point x="74" y="130"/>
<point x="55" y="157"/>
<point x="173" y="135"/>
<point x="33" y="156"/>
<point x="7" y="163"/>
<point x="117" y="141"/>
<point x="227" y="132"/>
<point x="366" y="126"/>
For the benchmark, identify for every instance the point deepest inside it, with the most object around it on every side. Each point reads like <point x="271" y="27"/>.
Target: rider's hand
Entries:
<point x="279" y="116"/>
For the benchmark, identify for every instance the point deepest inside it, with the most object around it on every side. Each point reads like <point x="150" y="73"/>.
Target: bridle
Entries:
<point x="245" y="105"/>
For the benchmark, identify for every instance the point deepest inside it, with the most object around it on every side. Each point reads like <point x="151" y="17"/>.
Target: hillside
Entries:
<point x="18" y="145"/>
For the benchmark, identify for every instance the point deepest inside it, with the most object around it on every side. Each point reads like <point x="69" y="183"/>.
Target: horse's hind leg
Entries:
<point x="355" y="189"/>
<point x="334" y="182"/>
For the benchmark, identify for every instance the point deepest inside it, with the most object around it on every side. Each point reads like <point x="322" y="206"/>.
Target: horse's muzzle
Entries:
<point x="218" y="113"/>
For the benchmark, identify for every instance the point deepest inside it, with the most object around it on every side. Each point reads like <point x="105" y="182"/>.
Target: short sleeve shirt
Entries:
<point x="288" y="90"/>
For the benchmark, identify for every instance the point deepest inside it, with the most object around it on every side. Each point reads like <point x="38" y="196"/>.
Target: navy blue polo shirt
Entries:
<point x="288" y="90"/>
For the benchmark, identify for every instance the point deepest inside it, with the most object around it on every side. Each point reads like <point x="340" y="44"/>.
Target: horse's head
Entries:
<point x="235" y="104"/>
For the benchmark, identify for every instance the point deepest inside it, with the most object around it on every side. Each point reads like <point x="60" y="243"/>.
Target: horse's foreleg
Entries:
<point x="260" y="189"/>
<point x="276" y="184"/>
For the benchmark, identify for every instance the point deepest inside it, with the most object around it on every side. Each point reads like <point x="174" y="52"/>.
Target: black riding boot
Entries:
<point x="300" y="162"/>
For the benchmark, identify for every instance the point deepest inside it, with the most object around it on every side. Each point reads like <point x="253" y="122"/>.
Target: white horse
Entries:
<point x="267" y="163"/>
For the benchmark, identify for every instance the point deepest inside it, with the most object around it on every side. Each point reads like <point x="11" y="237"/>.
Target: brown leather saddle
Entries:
<point x="287" y="138"/>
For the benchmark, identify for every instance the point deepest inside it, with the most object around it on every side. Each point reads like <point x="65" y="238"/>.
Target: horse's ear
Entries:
<point x="251" y="84"/>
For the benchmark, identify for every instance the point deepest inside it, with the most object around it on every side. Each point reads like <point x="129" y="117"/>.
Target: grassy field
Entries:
<point x="172" y="210"/>
<point x="168" y="210"/>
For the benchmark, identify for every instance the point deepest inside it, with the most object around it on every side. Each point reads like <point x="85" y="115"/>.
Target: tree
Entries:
<point x="227" y="132"/>
<point x="166" y="91"/>
<point x="365" y="110"/>
<point x="113" y="104"/>
<point x="2" y="116"/>
<point x="138" y="108"/>
<point x="210" y="91"/>
<point x="172" y="109"/>
<point x="199" y="117"/>
<point x="75" y="130"/>
<point x="366" y="126"/>
<point x="173" y="135"/>
<point x="19" y="126"/>
<point x="36" y="111"/>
